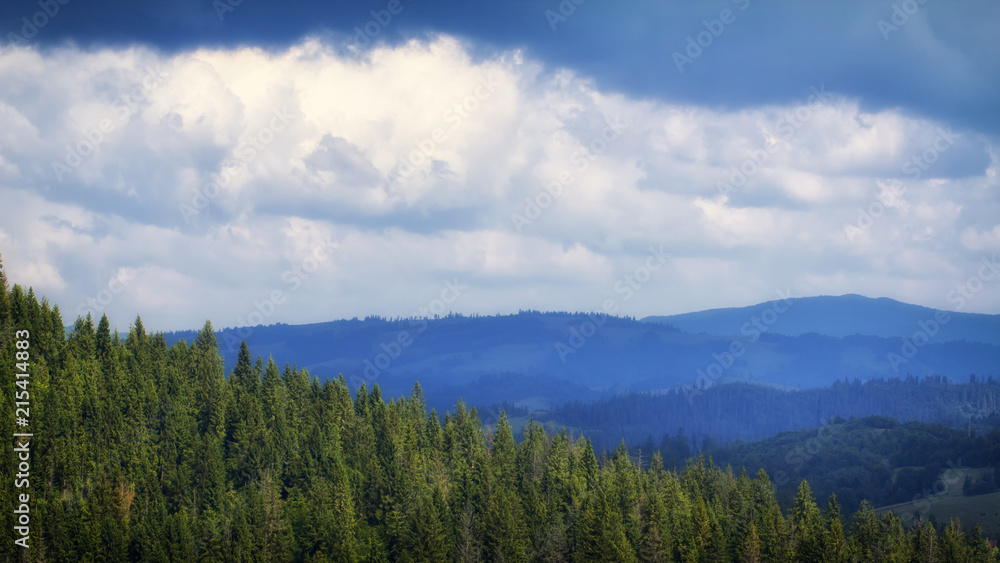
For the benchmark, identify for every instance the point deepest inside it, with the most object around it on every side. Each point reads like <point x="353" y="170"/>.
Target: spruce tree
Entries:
<point x="836" y="547"/>
<point x="807" y="526"/>
<point x="750" y="553"/>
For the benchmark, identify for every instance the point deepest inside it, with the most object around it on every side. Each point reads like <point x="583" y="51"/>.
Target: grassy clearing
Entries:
<point x="981" y="509"/>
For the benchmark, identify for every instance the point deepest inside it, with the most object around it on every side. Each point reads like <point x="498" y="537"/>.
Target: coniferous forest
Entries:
<point x="144" y="452"/>
<point x="739" y="411"/>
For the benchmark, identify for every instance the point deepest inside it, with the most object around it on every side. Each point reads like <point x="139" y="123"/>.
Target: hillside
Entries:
<point x="751" y="412"/>
<point x="984" y="510"/>
<point x="912" y="465"/>
<point x="841" y="316"/>
<point x="546" y="359"/>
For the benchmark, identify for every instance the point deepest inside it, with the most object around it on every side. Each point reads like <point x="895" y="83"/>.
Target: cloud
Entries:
<point x="217" y="176"/>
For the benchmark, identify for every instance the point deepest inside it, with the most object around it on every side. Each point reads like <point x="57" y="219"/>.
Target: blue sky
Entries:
<point x="304" y="161"/>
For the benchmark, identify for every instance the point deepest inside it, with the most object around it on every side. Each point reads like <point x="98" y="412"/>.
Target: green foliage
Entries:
<point x="151" y="453"/>
<point x="871" y="458"/>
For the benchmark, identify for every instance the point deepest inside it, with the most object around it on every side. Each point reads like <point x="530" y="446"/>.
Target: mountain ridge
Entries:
<point x="841" y="316"/>
<point x="546" y="359"/>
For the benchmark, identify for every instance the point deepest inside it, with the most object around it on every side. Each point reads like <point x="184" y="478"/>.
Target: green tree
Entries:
<point x="247" y="436"/>
<point x="807" y="527"/>
<point x="210" y="400"/>
<point x="836" y="547"/>
<point x="750" y="553"/>
<point x="505" y="535"/>
<point x="954" y="547"/>
<point x="925" y="544"/>
<point x="426" y="539"/>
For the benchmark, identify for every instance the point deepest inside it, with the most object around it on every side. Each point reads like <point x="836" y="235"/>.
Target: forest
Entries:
<point x="873" y="458"/>
<point x="741" y="411"/>
<point x="146" y="452"/>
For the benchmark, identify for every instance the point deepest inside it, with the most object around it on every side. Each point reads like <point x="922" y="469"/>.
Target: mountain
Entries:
<point x="841" y="316"/>
<point x="540" y="360"/>
<point x="737" y="411"/>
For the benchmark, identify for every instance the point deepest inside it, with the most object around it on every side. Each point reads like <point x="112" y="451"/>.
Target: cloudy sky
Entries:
<point x="206" y="159"/>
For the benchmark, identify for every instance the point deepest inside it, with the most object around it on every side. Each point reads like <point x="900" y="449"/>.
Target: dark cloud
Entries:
<point x="940" y="61"/>
<point x="338" y="166"/>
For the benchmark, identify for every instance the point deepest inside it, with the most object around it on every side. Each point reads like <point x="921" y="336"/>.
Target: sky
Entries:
<point x="251" y="162"/>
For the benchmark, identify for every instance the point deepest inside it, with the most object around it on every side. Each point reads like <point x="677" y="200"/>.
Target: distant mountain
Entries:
<point x="840" y="316"/>
<point x="540" y="360"/>
<point x="753" y="412"/>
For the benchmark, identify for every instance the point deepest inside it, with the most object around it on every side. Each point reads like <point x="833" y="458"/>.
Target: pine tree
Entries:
<point x="504" y="454"/>
<point x="925" y="544"/>
<point x="247" y="434"/>
<point x="750" y="553"/>
<point x="979" y="547"/>
<point x="836" y="548"/>
<point x="895" y="543"/>
<point x="701" y="529"/>
<point x="656" y="537"/>
<point x="601" y="535"/>
<point x="865" y="533"/>
<point x="807" y="526"/>
<point x="210" y="400"/>
<point x="505" y="535"/>
<point x="627" y="494"/>
<point x="426" y="539"/>
<point x="468" y="546"/>
<point x="953" y="545"/>
<point x="555" y="547"/>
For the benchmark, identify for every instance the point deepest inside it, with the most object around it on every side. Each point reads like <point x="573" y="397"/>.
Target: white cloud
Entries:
<point x="981" y="240"/>
<point x="412" y="160"/>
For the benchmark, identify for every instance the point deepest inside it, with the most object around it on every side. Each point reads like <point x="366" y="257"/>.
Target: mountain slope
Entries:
<point x="544" y="359"/>
<point x="840" y="316"/>
<point x="874" y="458"/>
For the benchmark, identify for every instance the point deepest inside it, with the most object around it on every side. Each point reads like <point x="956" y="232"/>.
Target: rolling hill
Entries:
<point x="840" y="316"/>
<point x="544" y="359"/>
